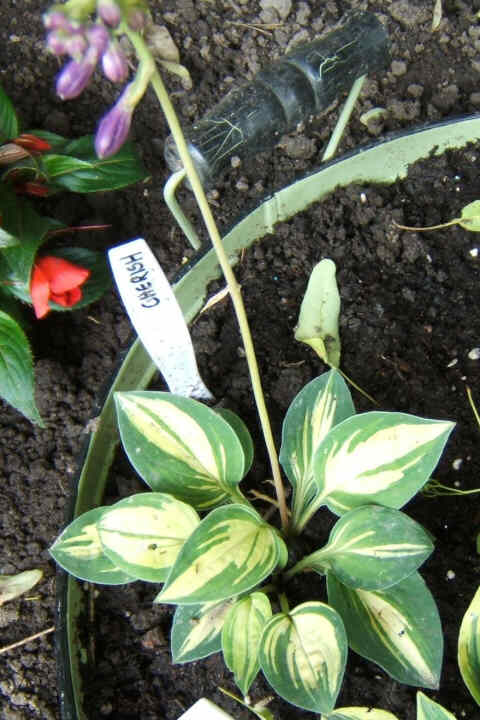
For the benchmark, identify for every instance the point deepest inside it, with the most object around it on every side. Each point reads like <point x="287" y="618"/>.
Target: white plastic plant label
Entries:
<point x="156" y="316"/>
<point x="205" y="710"/>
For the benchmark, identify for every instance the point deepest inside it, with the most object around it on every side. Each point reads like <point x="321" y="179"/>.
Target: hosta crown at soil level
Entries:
<point x="228" y="570"/>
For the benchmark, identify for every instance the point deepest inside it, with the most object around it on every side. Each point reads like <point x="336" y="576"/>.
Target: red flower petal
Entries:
<point x="39" y="291"/>
<point x="67" y="299"/>
<point x="32" y="142"/>
<point x="62" y="274"/>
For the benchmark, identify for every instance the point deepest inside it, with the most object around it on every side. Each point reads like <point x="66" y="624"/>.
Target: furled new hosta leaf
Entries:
<point x="318" y="320"/>
<point x="78" y="550"/>
<point x="303" y="656"/>
<point x="378" y="457"/>
<point x="230" y="552"/>
<point x="318" y="407"/>
<point x="241" y="635"/>
<point x="242" y="433"/>
<point x="429" y="710"/>
<point x="360" y="713"/>
<point x="469" y="647"/>
<point x="372" y="547"/>
<point x="398" y="628"/>
<point x="181" y="447"/>
<point x="197" y="630"/>
<point x="144" y="533"/>
<point x="16" y="369"/>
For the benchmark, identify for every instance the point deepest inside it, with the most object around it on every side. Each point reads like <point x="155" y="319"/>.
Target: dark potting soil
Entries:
<point x="405" y="320"/>
<point x="410" y="317"/>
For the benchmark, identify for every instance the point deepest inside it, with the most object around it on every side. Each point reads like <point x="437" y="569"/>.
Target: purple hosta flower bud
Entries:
<point x="109" y="12"/>
<point x="114" y="63"/>
<point x="76" y="45"/>
<point x="114" y="127"/>
<point x="56" y="20"/>
<point x="98" y="38"/>
<point x="76" y="75"/>
<point x="56" y="42"/>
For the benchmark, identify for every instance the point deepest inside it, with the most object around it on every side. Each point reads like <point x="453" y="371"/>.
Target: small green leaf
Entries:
<point x="7" y="239"/>
<point x="143" y="534"/>
<point x="429" y="710"/>
<point x="360" y="713"/>
<point x="303" y="656"/>
<point x="79" y="169"/>
<point x="372" y="547"/>
<point x="180" y="446"/>
<point x="16" y="369"/>
<point x="318" y="321"/>
<point x="241" y="635"/>
<point x="8" y="118"/>
<point x="470" y="217"/>
<point x="397" y="628"/>
<point x="237" y="424"/>
<point x="319" y="406"/>
<point x="12" y="586"/>
<point x="469" y="647"/>
<point x="197" y="630"/>
<point x="230" y="552"/>
<point x="78" y="550"/>
<point x="378" y="457"/>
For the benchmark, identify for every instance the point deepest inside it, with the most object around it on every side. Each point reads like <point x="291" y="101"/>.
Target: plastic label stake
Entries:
<point x="157" y="318"/>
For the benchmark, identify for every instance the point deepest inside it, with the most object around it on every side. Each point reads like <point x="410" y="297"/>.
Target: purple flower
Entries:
<point x="76" y="75"/>
<point x="76" y="45"/>
<point x="109" y="12"/>
<point x="114" y="127"/>
<point x="114" y="63"/>
<point x="98" y="38"/>
<point x="56" y="43"/>
<point x="56" y="20"/>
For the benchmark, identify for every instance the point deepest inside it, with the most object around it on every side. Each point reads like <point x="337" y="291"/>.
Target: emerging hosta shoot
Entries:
<point x="228" y="570"/>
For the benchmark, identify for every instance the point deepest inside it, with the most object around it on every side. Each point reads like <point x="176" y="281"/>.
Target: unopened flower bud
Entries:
<point x="114" y="127"/>
<point x="56" y="20"/>
<point x="76" y="75"/>
<point x="98" y="38"/>
<point x="136" y="19"/>
<point x="76" y="45"/>
<point x="115" y="64"/>
<point x="109" y="12"/>
<point x="56" y="43"/>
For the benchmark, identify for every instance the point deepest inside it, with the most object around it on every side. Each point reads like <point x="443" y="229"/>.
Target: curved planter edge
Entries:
<point x="382" y="162"/>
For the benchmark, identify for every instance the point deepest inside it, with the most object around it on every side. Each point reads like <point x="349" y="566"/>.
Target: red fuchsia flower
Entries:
<point x="38" y="189"/>
<point x="58" y="280"/>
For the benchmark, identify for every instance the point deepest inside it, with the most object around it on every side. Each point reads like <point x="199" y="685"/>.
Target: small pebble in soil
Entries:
<point x="474" y="252"/>
<point x="474" y="354"/>
<point x="452" y="363"/>
<point x="450" y="575"/>
<point x="457" y="463"/>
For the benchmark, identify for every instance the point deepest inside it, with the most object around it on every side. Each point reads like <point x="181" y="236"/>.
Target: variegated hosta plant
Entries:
<point x="229" y="571"/>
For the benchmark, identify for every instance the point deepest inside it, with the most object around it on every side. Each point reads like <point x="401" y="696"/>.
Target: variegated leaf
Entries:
<point x="230" y="552"/>
<point x="241" y="635"/>
<point x="469" y="647"/>
<point x="318" y="407"/>
<point x="372" y="547"/>
<point x="144" y="533"/>
<point x="377" y="457"/>
<point x="182" y="447"/>
<point x="241" y="430"/>
<point x="78" y="550"/>
<point x="429" y="710"/>
<point x="398" y="628"/>
<point x="303" y="656"/>
<point x="197" y="630"/>
<point x="360" y="713"/>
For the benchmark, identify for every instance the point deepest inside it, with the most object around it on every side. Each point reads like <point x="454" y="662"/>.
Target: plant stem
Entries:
<point x="455" y="221"/>
<point x="234" y="289"/>
<point x="282" y="598"/>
